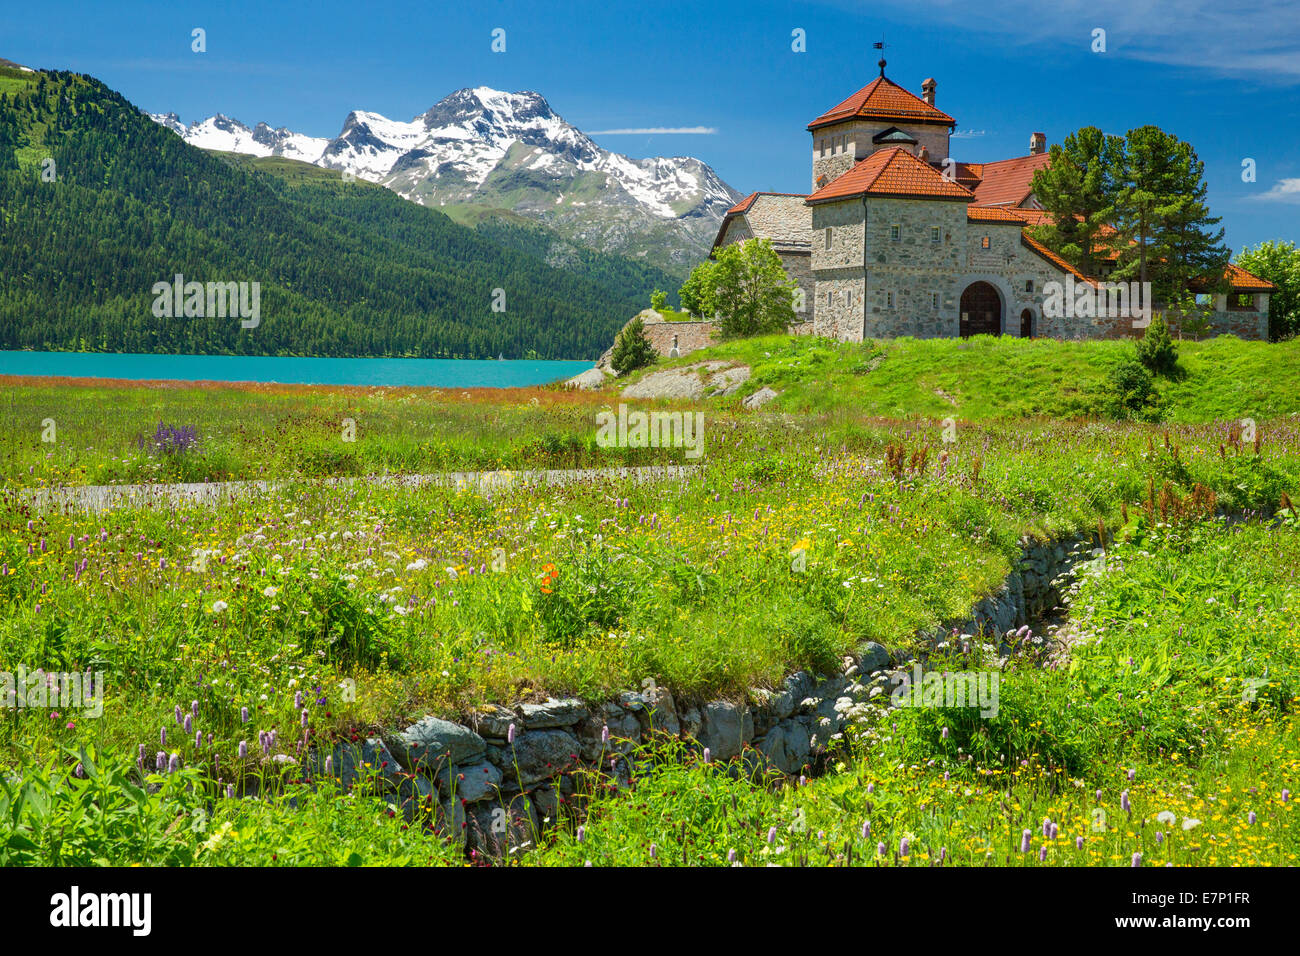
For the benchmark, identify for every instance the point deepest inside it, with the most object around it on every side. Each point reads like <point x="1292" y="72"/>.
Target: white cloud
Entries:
<point x="1284" y="190"/>
<point x="653" y="131"/>
<point x="968" y="133"/>
<point x="1260" y="39"/>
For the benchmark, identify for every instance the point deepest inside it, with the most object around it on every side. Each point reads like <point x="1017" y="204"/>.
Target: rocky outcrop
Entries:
<point x="593" y="378"/>
<point x="690" y="381"/>
<point x="760" y="398"/>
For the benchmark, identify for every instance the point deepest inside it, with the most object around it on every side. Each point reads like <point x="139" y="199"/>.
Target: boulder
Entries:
<point x="494" y="722"/>
<point x="872" y="657"/>
<point x="786" y="746"/>
<point x="470" y="784"/>
<point x="727" y="727"/>
<point x="348" y="760"/>
<point x="661" y="710"/>
<point x="728" y="381"/>
<point x="624" y="732"/>
<point x="497" y="829"/>
<point x="586" y="381"/>
<point x="760" y="398"/>
<point x="434" y="743"/>
<point x="537" y="755"/>
<point x="553" y="713"/>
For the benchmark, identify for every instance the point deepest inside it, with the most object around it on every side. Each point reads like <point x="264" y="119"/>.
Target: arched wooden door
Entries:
<point x="981" y="310"/>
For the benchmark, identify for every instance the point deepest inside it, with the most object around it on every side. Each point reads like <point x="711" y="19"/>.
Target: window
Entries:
<point x="934" y="301"/>
<point x="1241" y="301"/>
<point x="828" y="237"/>
<point x="889" y="300"/>
<point x="984" y="242"/>
<point x="895" y="232"/>
<point x="1029" y="285"/>
<point x="828" y="299"/>
<point x="934" y="233"/>
<point x="821" y="147"/>
<point x="1203" y="298"/>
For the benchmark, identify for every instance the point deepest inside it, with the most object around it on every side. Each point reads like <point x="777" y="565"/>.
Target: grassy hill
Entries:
<point x="989" y="379"/>
<point x="344" y="268"/>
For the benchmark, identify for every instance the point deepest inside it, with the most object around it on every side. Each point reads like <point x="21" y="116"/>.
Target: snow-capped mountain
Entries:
<point x="484" y="147"/>
<point x="231" y="136"/>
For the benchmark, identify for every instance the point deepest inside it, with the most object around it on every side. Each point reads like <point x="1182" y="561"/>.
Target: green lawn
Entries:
<point x="988" y="379"/>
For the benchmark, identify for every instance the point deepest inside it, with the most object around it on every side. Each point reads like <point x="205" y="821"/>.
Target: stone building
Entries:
<point x="898" y="238"/>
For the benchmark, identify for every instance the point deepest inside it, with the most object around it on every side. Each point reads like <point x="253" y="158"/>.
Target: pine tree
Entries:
<point x="1156" y="350"/>
<point x="1078" y="189"/>
<point x="1162" y="223"/>
<point x="632" y="348"/>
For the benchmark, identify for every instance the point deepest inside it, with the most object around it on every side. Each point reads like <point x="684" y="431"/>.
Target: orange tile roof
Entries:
<point x="1008" y="181"/>
<point x="1034" y="217"/>
<point x="743" y="205"/>
<point x="968" y="174"/>
<point x="1035" y="246"/>
<point x="884" y="99"/>
<point x="1243" y="281"/>
<point x="892" y="172"/>
<point x="993" y="214"/>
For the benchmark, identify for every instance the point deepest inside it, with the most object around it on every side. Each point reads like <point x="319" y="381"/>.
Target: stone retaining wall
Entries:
<point x="500" y="775"/>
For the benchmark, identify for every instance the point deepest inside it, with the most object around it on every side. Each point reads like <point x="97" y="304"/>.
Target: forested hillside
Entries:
<point x="345" y="268"/>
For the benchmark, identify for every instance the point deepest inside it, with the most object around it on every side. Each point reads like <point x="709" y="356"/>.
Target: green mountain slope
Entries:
<point x="345" y="268"/>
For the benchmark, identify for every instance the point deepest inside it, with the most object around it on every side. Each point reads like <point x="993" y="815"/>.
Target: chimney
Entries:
<point x="927" y="90"/>
<point x="1037" y="143"/>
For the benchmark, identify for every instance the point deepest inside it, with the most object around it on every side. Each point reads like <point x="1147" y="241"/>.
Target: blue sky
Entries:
<point x="1226" y="80"/>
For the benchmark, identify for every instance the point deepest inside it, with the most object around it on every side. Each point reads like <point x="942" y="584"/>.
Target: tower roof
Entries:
<point x="892" y="172"/>
<point x="883" y="99"/>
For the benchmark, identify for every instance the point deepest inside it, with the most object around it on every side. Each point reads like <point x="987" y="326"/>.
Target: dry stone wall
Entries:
<point x="501" y="774"/>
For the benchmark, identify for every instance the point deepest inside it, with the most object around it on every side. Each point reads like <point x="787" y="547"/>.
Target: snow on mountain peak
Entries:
<point x="486" y="146"/>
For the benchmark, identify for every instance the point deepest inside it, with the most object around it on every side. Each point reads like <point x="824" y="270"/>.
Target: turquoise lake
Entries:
<point x="439" y="373"/>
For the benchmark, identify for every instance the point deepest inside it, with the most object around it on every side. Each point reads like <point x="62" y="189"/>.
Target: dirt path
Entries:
<point x="106" y="497"/>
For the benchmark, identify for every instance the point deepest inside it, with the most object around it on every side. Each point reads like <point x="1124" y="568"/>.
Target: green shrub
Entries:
<point x="1131" y="391"/>
<point x="632" y="349"/>
<point x="1156" y="350"/>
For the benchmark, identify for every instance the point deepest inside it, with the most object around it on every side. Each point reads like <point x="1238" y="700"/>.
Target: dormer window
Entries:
<point x="893" y="137"/>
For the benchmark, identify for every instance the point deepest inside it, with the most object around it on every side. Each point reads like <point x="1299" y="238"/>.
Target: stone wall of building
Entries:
<point x="837" y="248"/>
<point x="837" y="148"/>
<point x="1251" y="325"/>
<point x="688" y="336"/>
<point x="798" y="266"/>
<point x="737" y="231"/>
<point x="905" y="274"/>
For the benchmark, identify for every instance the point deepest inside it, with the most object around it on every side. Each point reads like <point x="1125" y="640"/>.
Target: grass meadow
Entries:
<point x="1168" y="730"/>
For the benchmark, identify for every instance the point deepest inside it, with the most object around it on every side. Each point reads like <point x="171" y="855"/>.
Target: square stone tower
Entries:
<point x="881" y="115"/>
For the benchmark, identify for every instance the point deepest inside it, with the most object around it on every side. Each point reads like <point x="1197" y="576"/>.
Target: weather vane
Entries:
<point x="880" y="45"/>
